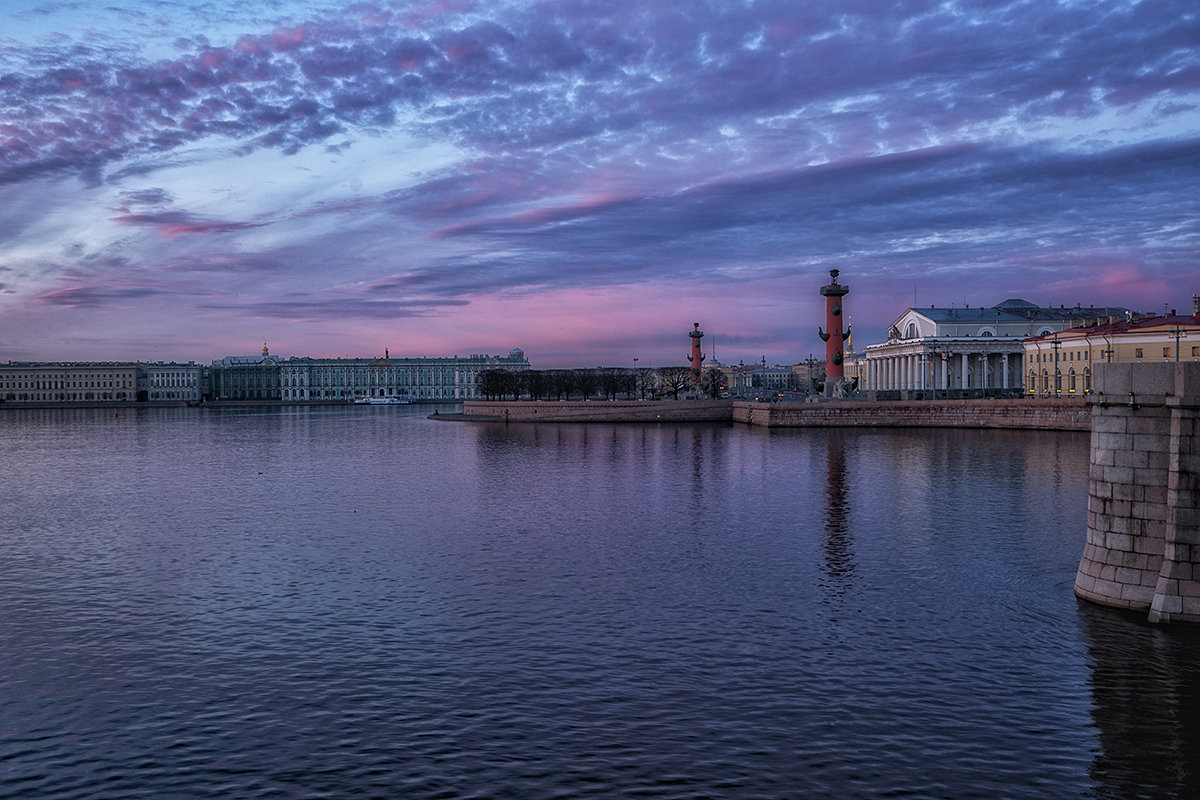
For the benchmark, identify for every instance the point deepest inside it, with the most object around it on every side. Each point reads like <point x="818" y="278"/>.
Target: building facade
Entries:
<point x="261" y="378"/>
<point x="1062" y="363"/>
<point x="348" y="379"/>
<point x="162" y="382"/>
<point x="246" y="377"/>
<point x="965" y="351"/>
<point x="68" y="382"/>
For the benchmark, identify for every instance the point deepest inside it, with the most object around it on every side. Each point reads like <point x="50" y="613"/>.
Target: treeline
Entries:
<point x="582" y="384"/>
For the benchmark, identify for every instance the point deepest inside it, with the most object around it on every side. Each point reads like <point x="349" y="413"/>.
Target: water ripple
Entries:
<point x="308" y="603"/>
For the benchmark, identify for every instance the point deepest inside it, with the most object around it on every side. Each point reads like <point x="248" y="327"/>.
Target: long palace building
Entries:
<point x="262" y="378"/>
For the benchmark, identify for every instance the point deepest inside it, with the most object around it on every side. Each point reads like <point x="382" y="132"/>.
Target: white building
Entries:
<point x="165" y="382"/>
<point x="965" y="350"/>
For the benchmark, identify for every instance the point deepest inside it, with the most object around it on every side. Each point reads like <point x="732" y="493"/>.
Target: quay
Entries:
<point x="1028" y="414"/>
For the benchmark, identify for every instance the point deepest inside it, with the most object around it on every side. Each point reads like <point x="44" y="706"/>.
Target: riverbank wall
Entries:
<point x="598" y="411"/>
<point x="1029" y="414"/>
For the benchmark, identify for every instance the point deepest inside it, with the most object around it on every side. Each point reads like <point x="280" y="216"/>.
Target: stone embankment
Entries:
<point x="597" y="411"/>
<point x="1068" y="415"/>
<point x="1024" y="413"/>
<point x="1143" y="534"/>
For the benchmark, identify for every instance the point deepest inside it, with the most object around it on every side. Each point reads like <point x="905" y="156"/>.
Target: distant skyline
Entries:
<point x="584" y="180"/>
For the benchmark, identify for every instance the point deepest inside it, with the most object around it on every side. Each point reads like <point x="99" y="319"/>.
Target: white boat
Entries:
<point x="383" y="401"/>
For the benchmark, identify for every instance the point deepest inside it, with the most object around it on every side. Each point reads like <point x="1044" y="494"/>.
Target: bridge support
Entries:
<point x="1143" y="536"/>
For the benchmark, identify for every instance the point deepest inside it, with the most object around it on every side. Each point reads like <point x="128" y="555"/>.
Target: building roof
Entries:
<point x="1131" y="325"/>
<point x="1016" y="310"/>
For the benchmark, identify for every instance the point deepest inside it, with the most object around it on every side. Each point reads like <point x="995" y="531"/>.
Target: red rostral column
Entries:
<point x="835" y="339"/>
<point x="697" y="358"/>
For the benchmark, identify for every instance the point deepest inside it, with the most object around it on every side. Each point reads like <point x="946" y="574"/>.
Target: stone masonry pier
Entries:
<point x="1143" y="534"/>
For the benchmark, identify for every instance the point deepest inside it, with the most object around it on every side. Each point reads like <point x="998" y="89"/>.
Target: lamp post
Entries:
<point x="1178" y="333"/>
<point x="1057" y="378"/>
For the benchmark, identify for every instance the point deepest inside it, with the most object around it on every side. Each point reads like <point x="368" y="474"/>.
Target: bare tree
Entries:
<point x="675" y="379"/>
<point x="713" y="383"/>
<point x="629" y="382"/>
<point x="646" y="379"/>
<point x="612" y="380"/>
<point x="561" y="382"/>
<point x="586" y="380"/>
<point x="537" y="382"/>
<point x="491" y="383"/>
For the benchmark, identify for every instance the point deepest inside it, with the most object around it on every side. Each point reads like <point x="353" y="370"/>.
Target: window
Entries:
<point x="1166" y="352"/>
<point x="1137" y="353"/>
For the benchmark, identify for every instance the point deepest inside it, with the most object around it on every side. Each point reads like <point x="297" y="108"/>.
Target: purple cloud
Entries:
<point x="575" y="144"/>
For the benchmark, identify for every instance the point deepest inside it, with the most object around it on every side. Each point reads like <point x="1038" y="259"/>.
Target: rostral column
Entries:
<point x="835" y="339"/>
<point x="696" y="358"/>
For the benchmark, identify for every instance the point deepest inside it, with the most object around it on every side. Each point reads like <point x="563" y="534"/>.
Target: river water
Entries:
<point x="358" y="602"/>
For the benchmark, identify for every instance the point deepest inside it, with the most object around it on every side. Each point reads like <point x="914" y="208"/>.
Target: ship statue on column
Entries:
<point x="836" y="384"/>
<point x="696" y="358"/>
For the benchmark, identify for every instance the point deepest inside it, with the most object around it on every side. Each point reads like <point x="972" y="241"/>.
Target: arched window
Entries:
<point x="910" y="332"/>
<point x="1087" y="380"/>
<point x="1071" y="380"/>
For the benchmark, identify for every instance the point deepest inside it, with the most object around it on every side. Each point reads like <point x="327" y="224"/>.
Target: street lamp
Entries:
<point x="1178" y="333"/>
<point x="1057" y="377"/>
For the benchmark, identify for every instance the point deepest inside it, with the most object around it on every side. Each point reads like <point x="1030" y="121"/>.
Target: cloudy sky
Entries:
<point x="583" y="179"/>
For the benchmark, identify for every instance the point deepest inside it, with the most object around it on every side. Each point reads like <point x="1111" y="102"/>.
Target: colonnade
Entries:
<point x="937" y="369"/>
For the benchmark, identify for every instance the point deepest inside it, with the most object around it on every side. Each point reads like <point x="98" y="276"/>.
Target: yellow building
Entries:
<point x="1060" y="364"/>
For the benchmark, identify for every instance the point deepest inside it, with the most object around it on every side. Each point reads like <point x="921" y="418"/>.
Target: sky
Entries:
<point x="582" y="179"/>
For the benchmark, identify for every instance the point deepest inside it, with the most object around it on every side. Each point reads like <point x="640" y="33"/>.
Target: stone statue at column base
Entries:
<point x="838" y="388"/>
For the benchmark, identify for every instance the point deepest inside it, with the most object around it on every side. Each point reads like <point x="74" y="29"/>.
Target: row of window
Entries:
<point x="62" y="384"/>
<point x="1043" y="384"/>
<point x="43" y="397"/>
<point x="1068" y="356"/>
<point x="392" y="378"/>
<point x="1166" y="351"/>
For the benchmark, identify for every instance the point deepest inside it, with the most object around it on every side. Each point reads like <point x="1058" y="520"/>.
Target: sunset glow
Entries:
<point x="583" y="181"/>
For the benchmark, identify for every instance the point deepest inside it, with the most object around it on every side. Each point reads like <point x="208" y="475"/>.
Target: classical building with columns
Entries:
<point x="965" y="351"/>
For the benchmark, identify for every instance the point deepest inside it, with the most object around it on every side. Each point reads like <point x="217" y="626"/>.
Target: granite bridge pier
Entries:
<point x="1143" y="532"/>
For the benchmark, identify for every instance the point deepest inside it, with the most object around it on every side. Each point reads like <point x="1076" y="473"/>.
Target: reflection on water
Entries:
<point x="1145" y="686"/>
<point x="838" y="546"/>
<point x="358" y="601"/>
